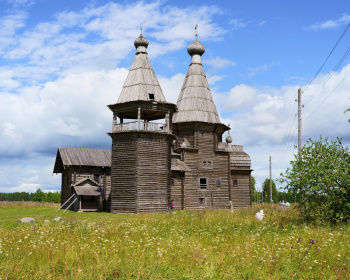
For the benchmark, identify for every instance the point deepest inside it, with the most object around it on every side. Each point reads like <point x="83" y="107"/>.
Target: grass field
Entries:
<point x="180" y="245"/>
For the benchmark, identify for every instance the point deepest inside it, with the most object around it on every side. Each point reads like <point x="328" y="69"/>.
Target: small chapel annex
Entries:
<point x="161" y="152"/>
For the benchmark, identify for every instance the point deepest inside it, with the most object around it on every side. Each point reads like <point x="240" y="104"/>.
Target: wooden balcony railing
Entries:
<point x="141" y="126"/>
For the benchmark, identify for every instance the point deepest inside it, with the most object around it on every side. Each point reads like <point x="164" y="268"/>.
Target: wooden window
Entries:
<point x="218" y="182"/>
<point x="235" y="182"/>
<point x="201" y="202"/>
<point x="203" y="183"/>
<point x="172" y="181"/>
<point x="207" y="164"/>
<point x="97" y="178"/>
<point x="151" y="96"/>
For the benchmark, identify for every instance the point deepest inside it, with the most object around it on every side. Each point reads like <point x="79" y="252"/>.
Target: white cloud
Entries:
<point x="253" y="71"/>
<point x="70" y="106"/>
<point x="218" y="63"/>
<point x="98" y="38"/>
<point x="171" y="87"/>
<point x="21" y="3"/>
<point x="264" y="121"/>
<point x="213" y="79"/>
<point x="25" y="187"/>
<point x="329" y="24"/>
<point x="240" y="97"/>
<point x="237" y="24"/>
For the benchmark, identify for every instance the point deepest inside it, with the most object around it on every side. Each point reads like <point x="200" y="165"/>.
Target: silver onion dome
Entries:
<point x="141" y="42"/>
<point x="196" y="48"/>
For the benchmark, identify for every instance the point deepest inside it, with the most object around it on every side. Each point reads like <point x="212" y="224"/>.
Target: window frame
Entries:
<point x="216" y="182"/>
<point x="207" y="164"/>
<point x="204" y="199"/>
<point x="203" y="186"/>
<point x="99" y="177"/>
<point x="235" y="182"/>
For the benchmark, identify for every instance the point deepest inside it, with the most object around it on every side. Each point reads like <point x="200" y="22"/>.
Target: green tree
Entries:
<point x="321" y="177"/>
<point x="266" y="190"/>
<point x="252" y="184"/>
<point x="40" y="196"/>
<point x="54" y="197"/>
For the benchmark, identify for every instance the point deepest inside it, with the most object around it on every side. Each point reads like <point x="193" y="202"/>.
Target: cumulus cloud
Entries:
<point x="329" y="24"/>
<point x="264" y="119"/>
<point x="218" y="63"/>
<point x="171" y="86"/>
<point x="239" y="97"/>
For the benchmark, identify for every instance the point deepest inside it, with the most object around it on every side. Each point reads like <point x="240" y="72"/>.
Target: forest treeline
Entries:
<point x="39" y="195"/>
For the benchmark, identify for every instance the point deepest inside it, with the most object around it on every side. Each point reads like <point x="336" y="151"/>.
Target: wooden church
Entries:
<point x="161" y="152"/>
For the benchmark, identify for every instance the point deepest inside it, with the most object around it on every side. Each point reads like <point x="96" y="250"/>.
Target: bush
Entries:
<point x="321" y="178"/>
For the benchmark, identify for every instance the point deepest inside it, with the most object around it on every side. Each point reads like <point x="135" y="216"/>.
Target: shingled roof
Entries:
<point x="81" y="157"/>
<point x="141" y="80"/>
<point x="195" y="102"/>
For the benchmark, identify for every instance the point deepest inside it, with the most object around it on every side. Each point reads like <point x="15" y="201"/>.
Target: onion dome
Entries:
<point x="228" y="139"/>
<point x="141" y="44"/>
<point x="196" y="48"/>
<point x="141" y="41"/>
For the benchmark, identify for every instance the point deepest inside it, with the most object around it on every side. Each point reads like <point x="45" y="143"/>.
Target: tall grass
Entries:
<point x="180" y="245"/>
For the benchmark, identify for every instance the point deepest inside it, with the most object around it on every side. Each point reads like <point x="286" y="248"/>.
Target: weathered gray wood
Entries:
<point x="70" y="204"/>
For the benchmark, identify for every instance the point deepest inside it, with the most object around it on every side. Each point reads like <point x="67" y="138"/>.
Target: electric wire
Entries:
<point x="336" y="44"/>
<point x="329" y="76"/>
<point x="328" y="95"/>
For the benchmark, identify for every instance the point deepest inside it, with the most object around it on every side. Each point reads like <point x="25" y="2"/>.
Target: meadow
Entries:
<point x="180" y="245"/>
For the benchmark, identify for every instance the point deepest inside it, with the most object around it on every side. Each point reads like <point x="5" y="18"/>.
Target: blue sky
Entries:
<point x="62" y="62"/>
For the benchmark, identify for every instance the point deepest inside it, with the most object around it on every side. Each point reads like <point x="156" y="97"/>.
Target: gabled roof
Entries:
<point x="195" y="102"/>
<point x="88" y="187"/>
<point x="141" y="80"/>
<point x="81" y="157"/>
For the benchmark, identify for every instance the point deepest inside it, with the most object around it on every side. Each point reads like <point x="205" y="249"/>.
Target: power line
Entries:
<point x="328" y="95"/>
<point x="329" y="76"/>
<point x="336" y="44"/>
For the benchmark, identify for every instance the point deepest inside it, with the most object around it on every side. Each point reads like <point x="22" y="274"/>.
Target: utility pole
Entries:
<point x="270" y="183"/>
<point x="300" y="139"/>
<point x="299" y="122"/>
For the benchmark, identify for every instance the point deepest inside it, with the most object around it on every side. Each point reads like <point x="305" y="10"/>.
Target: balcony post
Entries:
<point x="167" y="124"/>
<point x="138" y="118"/>
<point x="114" y="122"/>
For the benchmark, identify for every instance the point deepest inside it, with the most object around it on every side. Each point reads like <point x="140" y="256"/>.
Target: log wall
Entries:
<point x="66" y="190"/>
<point x="74" y="174"/>
<point x="241" y="194"/>
<point x="141" y="172"/>
<point x="176" y="192"/>
<point x="216" y="168"/>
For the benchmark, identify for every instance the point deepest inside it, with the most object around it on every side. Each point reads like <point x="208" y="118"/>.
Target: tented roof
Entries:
<point x="195" y="102"/>
<point x="141" y="81"/>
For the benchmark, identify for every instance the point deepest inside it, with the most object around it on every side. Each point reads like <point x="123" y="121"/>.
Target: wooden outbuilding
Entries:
<point x="86" y="178"/>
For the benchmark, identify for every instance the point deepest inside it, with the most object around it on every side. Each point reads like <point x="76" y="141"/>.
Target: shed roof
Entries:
<point x="180" y="166"/>
<point x="81" y="157"/>
<point x="195" y="102"/>
<point x="141" y="80"/>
